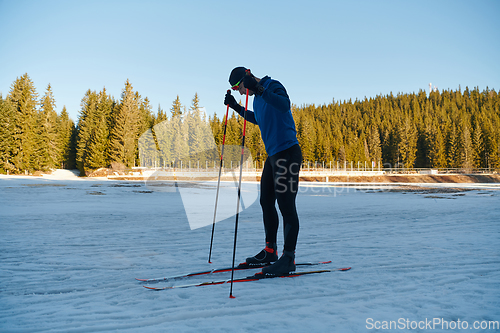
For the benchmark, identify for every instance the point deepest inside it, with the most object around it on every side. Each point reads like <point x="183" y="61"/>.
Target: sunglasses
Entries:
<point x="237" y="85"/>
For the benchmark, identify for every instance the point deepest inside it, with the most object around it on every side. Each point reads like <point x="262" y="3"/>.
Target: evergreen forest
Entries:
<point x="440" y="129"/>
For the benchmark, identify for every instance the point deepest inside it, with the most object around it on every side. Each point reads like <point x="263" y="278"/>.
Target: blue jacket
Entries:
<point x="271" y="112"/>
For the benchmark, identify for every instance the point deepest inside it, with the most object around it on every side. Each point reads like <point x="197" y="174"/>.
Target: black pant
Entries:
<point x="280" y="181"/>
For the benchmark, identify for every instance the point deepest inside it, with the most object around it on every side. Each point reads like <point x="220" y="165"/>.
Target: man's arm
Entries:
<point x="250" y="114"/>
<point x="231" y="101"/>
<point x="276" y="95"/>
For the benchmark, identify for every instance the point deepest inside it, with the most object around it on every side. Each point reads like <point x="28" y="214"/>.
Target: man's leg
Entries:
<point x="270" y="217"/>
<point x="287" y="184"/>
<point x="286" y="173"/>
<point x="268" y="203"/>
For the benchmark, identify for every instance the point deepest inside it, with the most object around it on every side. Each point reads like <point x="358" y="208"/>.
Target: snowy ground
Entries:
<point x="70" y="250"/>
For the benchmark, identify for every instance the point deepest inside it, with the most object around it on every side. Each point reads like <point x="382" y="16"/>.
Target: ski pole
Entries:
<point x="239" y="189"/>
<point x="218" y="181"/>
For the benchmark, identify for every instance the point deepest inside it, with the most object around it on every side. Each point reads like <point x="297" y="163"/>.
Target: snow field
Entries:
<point x="70" y="250"/>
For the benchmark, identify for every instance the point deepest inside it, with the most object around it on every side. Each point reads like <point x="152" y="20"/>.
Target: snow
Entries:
<point x="71" y="248"/>
<point x="62" y="174"/>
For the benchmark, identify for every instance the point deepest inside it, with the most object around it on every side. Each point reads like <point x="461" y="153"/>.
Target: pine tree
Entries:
<point x="466" y="148"/>
<point x="66" y="134"/>
<point x="424" y="143"/>
<point x="492" y="142"/>
<point x="453" y="155"/>
<point x="47" y="152"/>
<point x="407" y="147"/>
<point x="478" y="147"/>
<point x="125" y="132"/>
<point x="176" y="109"/>
<point x="104" y="111"/>
<point x="374" y="147"/>
<point x="86" y="123"/>
<point x="192" y="123"/>
<point x="306" y="135"/>
<point x="145" y="114"/>
<point x="162" y="134"/>
<point x="146" y="143"/>
<point x="342" y="157"/>
<point x="153" y="144"/>
<point x="438" y="149"/>
<point x="178" y="134"/>
<point x="7" y="130"/>
<point x="97" y="148"/>
<point x="201" y="141"/>
<point x="160" y="116"/>
<point x="24" y="98"/>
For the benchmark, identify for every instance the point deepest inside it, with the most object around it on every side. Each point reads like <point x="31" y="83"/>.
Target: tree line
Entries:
<point x="34" y="137"/>
<point x="447" y="129"/>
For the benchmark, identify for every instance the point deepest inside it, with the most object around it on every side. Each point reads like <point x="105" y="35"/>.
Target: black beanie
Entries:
<point x="236" y="75"/>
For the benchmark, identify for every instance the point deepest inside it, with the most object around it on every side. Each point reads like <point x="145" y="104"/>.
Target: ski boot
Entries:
<point x="284" y="266"/>
<point x="264" y="257"/>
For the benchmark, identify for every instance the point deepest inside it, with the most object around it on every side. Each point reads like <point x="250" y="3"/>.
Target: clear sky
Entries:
<point x="320" y="50"/>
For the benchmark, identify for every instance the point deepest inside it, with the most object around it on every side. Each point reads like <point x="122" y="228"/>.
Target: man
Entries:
<point x="280" y="176"/>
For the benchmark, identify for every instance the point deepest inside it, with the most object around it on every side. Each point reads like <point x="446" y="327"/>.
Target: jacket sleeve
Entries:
<point x="276" y="95"/>
<point x="250" y="115"/>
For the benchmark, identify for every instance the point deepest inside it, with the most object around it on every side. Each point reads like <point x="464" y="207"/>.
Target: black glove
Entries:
<point x="231" y="101"/>
<point x="251" y="83"/>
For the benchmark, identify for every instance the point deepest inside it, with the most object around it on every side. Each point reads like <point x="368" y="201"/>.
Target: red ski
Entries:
<point x="256" y="277"/>
<point x="240" y="267"/>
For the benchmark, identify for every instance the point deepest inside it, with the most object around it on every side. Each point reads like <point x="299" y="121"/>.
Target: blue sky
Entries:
<point x="320" y="50"/>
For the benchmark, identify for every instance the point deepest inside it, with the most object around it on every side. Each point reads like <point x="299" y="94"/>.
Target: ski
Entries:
<point x="256" y="277"/>
<point x="240" y="267"/>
